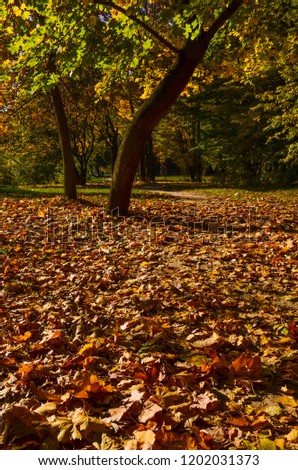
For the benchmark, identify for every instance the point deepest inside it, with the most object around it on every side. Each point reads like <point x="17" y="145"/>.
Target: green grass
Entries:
<point x="142" y="190"/>
<point x="51" y="190"/>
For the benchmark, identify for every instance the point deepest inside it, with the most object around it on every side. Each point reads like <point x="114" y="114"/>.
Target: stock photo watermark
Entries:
<point x="54" y="228"/>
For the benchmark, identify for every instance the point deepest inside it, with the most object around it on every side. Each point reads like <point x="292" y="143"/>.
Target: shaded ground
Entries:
<point x="169" y="191"/>
<point x="175" y="328"/>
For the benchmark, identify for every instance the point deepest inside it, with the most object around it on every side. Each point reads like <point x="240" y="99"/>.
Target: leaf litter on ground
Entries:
<point x="174" y="328"/>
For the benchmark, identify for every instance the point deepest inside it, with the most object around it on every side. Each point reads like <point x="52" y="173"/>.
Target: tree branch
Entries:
<point x="223" y="17"/>
<point x="144" y="25"/>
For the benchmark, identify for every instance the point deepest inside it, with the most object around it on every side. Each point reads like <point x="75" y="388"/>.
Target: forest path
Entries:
<point x="187" y="195"/>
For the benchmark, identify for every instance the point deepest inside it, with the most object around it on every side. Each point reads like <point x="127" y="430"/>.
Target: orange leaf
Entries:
<point x="43" y="395"/>
<point x="241" y="421"/>
<point x="23" y="337"/>
<point x="169" y="440"/>
<point x="245" y="366"/>
<point x="260" y="423"/>
<point x="205" y="440"/>
<point x="7" y="361"/>
<point x="141" y="375"/>
<point x="82" y="394"/>
<point x="25" y="369"/>
<point x="87" y="349"/>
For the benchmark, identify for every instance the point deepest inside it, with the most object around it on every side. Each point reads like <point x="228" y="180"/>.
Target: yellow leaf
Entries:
<point x="46" y="408"/>
<point x="17" y="11"/>
<point x="280" y="443"/>
<point x="266" y="444"/>
<point x="287" y="400"/>
<point x="86" y="348"/>
<point x="264" y="340"/>
<point x="64" y="425"/>
<point x="26" y="15"/>
<point x="293" y="435"/>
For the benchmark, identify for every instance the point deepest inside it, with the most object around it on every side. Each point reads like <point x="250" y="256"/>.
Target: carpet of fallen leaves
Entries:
<point x="175" y="328"/>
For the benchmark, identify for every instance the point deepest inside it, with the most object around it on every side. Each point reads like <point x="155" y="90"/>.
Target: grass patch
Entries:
<point x="146" y="190"/>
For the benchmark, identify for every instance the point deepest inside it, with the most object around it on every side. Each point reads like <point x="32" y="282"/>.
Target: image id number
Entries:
<point x="207" y="459"/>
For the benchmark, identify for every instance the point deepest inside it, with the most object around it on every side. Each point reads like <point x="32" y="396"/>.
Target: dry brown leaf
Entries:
<point x="240" y="421"/>
<point x="205" y="343"/>
<point x="245" y="366"/>
<point x="149" y="411"/>
<point x="143" y="440"/>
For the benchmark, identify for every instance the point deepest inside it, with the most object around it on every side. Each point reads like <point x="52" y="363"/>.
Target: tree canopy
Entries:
<point x="222" y="62"/>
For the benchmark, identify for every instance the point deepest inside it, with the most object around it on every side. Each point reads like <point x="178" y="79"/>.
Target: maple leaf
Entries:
<point x="245" y="366"/>
<point x="206" y="401"/>
<point x="143" y="440"/>
<point x="149" y="411"/>
<point x="91" y="385"/>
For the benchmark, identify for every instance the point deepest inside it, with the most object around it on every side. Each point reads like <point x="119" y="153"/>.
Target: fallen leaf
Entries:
<point x="143" y="440"/>
<point x="204" y="343"/>
<point x="266" y="444"/>
<point x="245" y="366"/>
<point x="292" y="435"/>
<point x="287" y="400"/>
<point x="46" y="408"/>
<point x="149" y="411"/>
<point x="241" y="421"/>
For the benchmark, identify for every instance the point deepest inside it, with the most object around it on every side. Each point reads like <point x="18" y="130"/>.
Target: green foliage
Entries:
<point x="30" y="148"/>
<point x="245" y="98"/>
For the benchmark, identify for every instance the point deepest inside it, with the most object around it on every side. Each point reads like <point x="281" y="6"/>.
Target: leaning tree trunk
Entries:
<point x="68" y="161"/>
<point x="155" y="108"/>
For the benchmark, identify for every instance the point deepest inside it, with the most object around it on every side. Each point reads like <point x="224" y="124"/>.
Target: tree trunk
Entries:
<point x="142" y="167"/>
<point x="114" y="150"/>
<point x="150" y="163"/>
<point x="197" y="156"/>
<point x="154" y="109"/>
<point x="191" y="173"/>
<point x="68" y="161"/>
<point x="83" y="175"/>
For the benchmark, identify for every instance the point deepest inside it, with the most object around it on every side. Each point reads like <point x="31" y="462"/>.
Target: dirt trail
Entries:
<point x="180" y="194"/>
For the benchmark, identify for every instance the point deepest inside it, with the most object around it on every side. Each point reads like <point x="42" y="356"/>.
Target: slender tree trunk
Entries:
<point x="114" y="149"/>
<point x="68" y="161"/>
<point x="198" y="166"/>
<point x="142" y="167"/>
<point x="154" y="109"/>
<point x="150" y="163"/>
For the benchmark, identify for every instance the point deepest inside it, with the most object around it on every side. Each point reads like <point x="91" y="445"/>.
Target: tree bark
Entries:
<point x="150" y="163"/>
<point x="68" y="161"/>
<point x="142" y="167"/>
<point x="197" y="156"/>
<point x="154" y="109"/>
